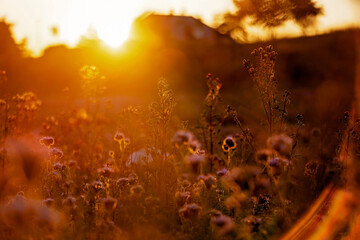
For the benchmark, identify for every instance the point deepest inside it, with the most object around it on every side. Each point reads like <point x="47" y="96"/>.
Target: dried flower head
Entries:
<point x="59" y="166"/>
<point x="243" y="178"/>
<point x="190" y="211"/>
<point x="181" y="138"/>
<point x="47" y="141"/>
<point x="137" y="190"/>
<point x="56" y="153"/>
<point x="209" y="181"/>
<point x="311" y="168"/>
<point x="228" y="144"/>
<point x="278" y="165"/>
<point x="235" y="201"/>
<point x="122" y="182"/>
<point x="194" y="146"/>
<point x="105" y="171"/>
<point x="97" y="185"/>
<point x="119" y="136"/>
<point x="281" y="143"/>
<point x="181" y="198"/>
<point x="133" y="178"/>
<point x="264" y="155"/>
<point x="222" y="172"/>
<point x="222" y="224"/>
<point x="19" y="212"/>
<point x="109" y="203"/>
<point x="214" y="84"/>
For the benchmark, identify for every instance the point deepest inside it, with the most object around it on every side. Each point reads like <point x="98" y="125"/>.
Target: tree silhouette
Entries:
<point x="9" y="50"/>
<point x="270" y="14"/>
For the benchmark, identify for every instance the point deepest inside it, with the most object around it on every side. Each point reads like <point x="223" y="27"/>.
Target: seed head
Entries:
<point x="228" y="144"/>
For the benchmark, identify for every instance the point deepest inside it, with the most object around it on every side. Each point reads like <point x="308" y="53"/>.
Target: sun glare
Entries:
<point x="111" y="19"/>
<point x="115" y="34"/>
<point x="113" y="24"/>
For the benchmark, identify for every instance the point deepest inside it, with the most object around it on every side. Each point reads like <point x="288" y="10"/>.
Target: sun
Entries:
<point x="112" y="19"/>
<point x="113" y="24"/>
<point x="114" y="34"/>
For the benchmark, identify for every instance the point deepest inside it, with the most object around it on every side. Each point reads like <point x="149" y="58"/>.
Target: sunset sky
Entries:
<point x="112" y="19"/>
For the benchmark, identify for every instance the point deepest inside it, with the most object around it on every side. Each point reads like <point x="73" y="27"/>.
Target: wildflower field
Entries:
<point x="85" y="173"/>
<point x="196" y="139"/>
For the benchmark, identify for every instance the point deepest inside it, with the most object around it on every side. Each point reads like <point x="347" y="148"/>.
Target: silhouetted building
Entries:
<point x="166" y="29"/>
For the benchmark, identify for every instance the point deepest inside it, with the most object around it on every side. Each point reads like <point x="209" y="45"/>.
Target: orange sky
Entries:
<point x="112" y="19"/>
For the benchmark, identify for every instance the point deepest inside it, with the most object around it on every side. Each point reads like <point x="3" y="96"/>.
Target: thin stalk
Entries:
<point x="211" y="136"/>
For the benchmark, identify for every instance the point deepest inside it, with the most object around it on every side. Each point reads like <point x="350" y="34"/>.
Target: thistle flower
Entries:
<point x="193" y="146"/>
<point x="264" y="155"/>
<point x="214" y="213"/>
<point x="185" y="184"/>
<point x="109" y="203"/>
<point x="243" y="178"/>
<point x="181" y="198"/>
<point x="209" y="181"/>
<point x="21" y="211"/>
<point x="281" y="143"/>
<point x="72" y="163"/>
<point x="222" y="172"/>
<point x="311" y="168"/>
<point x="223" y="224"/>
<point x="262" y="185"/>
<point x="181" y="138"/>
<point x="278" y="165"/>
<point x="97" y="185"/>
<point x="122" y="182"/>
<point x="190" y="211"/>
<point x="133" y="178"/>
<point x="55" y="152"/>
<point x="59" y="166"/>
<point x="105" y="171"/>
<point x="126" y="141"/>
<point x="137" y="190"/>
<point x="47" y="141"/>
<point x="235" y="201"/>
<point x="119" y="136"/>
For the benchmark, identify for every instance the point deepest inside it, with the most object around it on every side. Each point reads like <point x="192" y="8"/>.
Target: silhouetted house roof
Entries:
<point x="153" y="27"/>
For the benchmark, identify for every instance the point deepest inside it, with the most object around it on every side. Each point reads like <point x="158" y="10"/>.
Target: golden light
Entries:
<point x="111" y="19"/>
